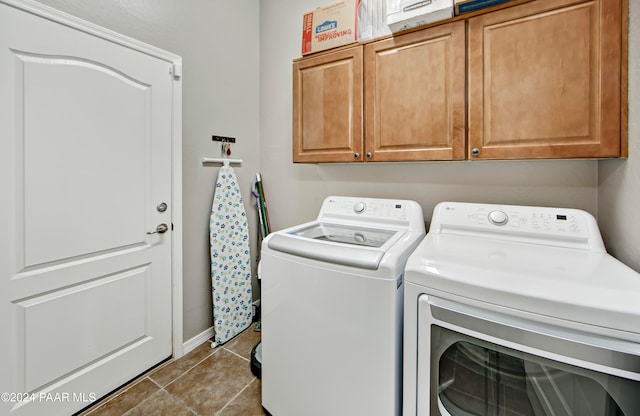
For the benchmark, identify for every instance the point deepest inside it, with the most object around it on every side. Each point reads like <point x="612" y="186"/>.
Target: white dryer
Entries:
<point x="515" y="310"/>
<point x="332" y="309"/>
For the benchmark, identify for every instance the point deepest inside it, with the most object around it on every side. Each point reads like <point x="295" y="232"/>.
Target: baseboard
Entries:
<point x="201" y="338"/>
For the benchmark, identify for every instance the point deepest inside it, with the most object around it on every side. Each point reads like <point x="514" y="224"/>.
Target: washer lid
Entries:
<point x="335" y="243"/>
<point x="340" y="233"/>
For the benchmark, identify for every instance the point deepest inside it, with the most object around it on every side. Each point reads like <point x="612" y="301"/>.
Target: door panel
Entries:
<point x="85" y="156"/>
<point x="114" y="130"/>
<point x="52" y="351"/>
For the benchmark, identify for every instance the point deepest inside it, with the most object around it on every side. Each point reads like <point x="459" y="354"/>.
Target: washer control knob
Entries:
<point x="359" y="207"/>
<point x="498" y="218"/>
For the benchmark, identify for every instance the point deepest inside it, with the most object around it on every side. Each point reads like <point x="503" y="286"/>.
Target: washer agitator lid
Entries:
<point x="345" y="234"/>
<point x="354" y="231"/>
<point x="336" y="243"/>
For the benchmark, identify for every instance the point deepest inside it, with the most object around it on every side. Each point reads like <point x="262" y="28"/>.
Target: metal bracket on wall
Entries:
<point x="223" y="139"/>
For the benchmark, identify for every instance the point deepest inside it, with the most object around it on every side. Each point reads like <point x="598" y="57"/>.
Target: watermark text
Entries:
<point x="51" y="397"/>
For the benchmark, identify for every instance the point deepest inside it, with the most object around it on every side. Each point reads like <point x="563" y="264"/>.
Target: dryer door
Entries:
<point x="480" y="362"/>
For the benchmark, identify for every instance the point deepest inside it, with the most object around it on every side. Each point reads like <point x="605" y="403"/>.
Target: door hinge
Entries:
<point x="176" y="71"/>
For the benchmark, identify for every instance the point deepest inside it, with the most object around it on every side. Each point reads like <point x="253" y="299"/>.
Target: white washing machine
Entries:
<point x="514" y="310"/>
<point x="332" y="309"/>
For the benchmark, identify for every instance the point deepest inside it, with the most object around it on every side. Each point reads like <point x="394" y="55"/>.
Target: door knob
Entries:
<point x="160" y="229"/>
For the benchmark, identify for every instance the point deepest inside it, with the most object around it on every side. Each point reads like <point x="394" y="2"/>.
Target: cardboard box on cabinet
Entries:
<point x="407" y="14"/>
<point x="330" y="26"/>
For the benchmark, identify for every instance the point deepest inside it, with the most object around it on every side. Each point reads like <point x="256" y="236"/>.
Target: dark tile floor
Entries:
<point x="204" y="382"/>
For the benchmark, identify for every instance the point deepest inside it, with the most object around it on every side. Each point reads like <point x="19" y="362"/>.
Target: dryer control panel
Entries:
<point x="564" y="227"/>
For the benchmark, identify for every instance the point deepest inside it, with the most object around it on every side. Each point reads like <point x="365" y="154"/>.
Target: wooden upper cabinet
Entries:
<point x="544" y="81"/>
<point x="415" y="95"/>
<point x="327" y="107"/>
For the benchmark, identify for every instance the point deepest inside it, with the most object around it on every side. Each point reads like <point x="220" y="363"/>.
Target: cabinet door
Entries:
<point x="544" y="81"/>
<point x="415" y="95"/>
<point x="327" y="107"/>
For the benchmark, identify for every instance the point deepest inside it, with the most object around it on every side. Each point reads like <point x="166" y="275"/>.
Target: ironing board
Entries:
<point x="230" y="259"/>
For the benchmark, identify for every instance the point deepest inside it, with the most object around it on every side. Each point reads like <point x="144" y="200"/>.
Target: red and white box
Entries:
<point x="330" y="26"/>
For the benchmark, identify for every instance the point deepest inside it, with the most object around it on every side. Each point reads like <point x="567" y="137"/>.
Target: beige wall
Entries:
<point x="619" y="180"/>
<point x="218" y="41"/>
<point x="237" y="82"/>
<point x="296" y="191"/>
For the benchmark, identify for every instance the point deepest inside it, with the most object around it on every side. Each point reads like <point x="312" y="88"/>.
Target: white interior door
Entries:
<point x="85" y="160"/>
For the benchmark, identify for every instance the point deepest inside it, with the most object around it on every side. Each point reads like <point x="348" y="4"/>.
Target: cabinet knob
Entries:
<point x="475" y="151"/>
<point x="356" y="155"/>
<point x="369" y="155"/>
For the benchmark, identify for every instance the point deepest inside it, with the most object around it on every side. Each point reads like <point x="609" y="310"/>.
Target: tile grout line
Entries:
<point x="174" y="397"/>
<point x="236" y="354"/>
<point x="194" y="366"/>
<point x="149" y="376"/>
<point x="236" y="396"/>
<point x="191" y="368"/>
<point x="119" y="392"/>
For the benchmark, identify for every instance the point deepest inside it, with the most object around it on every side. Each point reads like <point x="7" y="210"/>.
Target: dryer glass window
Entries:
<point x="475" y="377"/>
<point x="360" y="236"/>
